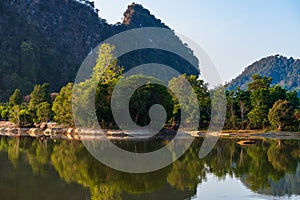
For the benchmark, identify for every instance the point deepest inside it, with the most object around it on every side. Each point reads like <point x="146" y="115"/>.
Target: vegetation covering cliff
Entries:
<point x="284" y="71"/>
<point x="46" y="41"/>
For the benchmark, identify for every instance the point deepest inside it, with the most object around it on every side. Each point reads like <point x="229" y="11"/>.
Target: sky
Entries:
<point x="233" y="33"/>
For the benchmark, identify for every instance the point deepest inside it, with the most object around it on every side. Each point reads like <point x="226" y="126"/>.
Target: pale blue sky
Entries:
<point x="234" y="33"/>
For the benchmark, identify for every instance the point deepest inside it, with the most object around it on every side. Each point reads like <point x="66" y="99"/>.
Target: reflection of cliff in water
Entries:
<point x="288" y="185"/>
<point x="33" y="167"/>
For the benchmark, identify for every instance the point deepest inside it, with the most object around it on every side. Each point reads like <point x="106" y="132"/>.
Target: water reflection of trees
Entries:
<point x="264" y="167"/>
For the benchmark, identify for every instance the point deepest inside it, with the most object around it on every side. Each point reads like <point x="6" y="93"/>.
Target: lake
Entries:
<point x="61" y="169"/>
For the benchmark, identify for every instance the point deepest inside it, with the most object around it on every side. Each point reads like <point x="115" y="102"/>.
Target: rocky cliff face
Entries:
<point x="137" y="16"/>
<point x="46" y="40"/>
<point x="284" y="71"/>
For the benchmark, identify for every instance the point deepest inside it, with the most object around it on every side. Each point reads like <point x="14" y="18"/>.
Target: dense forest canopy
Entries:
<point x="46" y="41"/>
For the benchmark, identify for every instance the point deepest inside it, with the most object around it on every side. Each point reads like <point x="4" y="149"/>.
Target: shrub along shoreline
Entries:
<point x="260" y="107"/>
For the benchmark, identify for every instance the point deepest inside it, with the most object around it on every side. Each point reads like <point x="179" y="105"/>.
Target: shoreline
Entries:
<point x="72" y="133"/>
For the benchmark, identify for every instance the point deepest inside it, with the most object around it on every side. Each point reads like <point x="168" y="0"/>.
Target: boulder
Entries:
<point x="35" y="132"/>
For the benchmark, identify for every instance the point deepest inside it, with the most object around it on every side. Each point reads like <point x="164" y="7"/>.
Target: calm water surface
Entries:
<point x="32" y="169"/>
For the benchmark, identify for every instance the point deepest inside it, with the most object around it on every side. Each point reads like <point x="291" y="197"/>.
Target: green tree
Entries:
<point x="4" y="111"/>
<point x="293" y="99"/>
<point x="15" y="98"/>
<point x="14" y="114"/>
<point x="106" y="69"/>
<point x="145" y="97"/>
<point x="231" y="118"/>
<point x="260" y="101"/>
<point x="188" y="102"/>
<point x="218" y="105"/>
<point x="258" y="116"/>
<point x="39" y="94"/>
<point x="281" y="115"/>
<point x="106" y="74"/>
<point x="62" y="106"/>
<point x="244" y="105"/>
<point x="276" y="93"/>
<point x="259" y="97"/>
<point x="259" y="82"/>
<point x="43" y="112"/>
<point x="242" y="98"/>
<point x="201" y="90"/>
<point x="21" y="116"/>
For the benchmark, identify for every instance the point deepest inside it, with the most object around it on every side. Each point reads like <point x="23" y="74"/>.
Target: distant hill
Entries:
<point x="47" y="40"/>
<point x="284" y="71"/>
